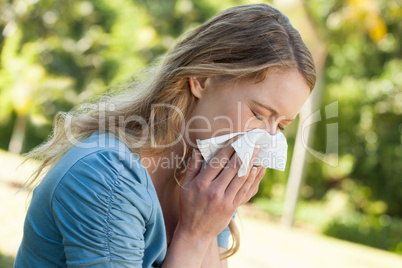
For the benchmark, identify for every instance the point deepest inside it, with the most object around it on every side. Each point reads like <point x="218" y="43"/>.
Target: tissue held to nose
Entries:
<point x="272" y="154"/>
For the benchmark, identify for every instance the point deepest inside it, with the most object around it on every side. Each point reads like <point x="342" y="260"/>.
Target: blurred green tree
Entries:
<point x="55" y="54"/>
<point x="364" y="74"/>
<point x="364" y="71"/>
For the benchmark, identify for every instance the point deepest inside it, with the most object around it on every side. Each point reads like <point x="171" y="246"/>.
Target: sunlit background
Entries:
<point x="344" y="175"/>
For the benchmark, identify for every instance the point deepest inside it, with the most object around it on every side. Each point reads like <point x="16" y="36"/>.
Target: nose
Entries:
<point x="272" y="133"/>
<point x="271" y="128"/>
<point x="269" y="125"/>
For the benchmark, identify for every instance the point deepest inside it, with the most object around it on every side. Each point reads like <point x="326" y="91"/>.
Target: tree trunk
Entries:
<point x="304" y="137"/>
<point x="18" y="135"/>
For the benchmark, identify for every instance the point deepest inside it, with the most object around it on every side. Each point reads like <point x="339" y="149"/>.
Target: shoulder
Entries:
<point x="102" y="147"/>
<point x="102" y="170"/>
<point x="105" y="154"/>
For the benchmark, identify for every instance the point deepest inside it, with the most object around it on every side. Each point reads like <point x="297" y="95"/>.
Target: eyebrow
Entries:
<point x="272" y="110"/>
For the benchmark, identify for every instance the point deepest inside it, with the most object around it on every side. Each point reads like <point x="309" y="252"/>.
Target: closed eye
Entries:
<point x="258" y="116"/>
<point x="281" y="128"/>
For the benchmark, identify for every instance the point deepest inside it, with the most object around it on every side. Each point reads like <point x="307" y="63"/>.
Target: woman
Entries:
<point x="115" y="195"/>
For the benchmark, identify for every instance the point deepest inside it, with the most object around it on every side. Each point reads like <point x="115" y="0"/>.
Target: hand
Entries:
<point x="209" y="198"/>
<point x="253" y="185"/>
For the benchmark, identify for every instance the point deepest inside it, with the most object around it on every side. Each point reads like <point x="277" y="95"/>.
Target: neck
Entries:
<point x="161" y="170"/>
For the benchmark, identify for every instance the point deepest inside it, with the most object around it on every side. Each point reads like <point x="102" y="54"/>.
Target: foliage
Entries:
<point x="55" y="54"/>
<point x="380" y="232"/>
<point x="363" y="72"/>
<point x="6" y="261"/>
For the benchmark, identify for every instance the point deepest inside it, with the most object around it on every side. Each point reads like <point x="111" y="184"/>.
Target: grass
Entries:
<point x="312" y="215"/>
<point x="6" y="261"/>
<point x="343" y="223"/>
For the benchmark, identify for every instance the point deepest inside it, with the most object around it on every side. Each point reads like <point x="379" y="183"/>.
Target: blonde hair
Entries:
<point x="240" y="43"/>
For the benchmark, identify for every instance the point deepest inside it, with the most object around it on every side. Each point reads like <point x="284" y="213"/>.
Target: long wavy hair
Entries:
<point x="241" y="43"/>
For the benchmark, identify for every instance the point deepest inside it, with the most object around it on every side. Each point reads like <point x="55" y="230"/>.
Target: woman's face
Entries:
<point x="239" y="107"/>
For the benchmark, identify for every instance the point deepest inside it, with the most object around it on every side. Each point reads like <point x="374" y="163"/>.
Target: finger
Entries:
<point x="194" y="166"/>
<point x="253" y="158"/>
<point x="252" y="191"/>
<point x="229" y="173"/>
<point x="219" y="161"/>
<point x="229" y="179"/>
<point x="242" y="194"/>
<point x="254" y="188"/>
<point x="235" y="165"/>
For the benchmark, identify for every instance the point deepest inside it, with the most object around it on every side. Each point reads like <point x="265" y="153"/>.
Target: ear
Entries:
<point x="197" y="86"/>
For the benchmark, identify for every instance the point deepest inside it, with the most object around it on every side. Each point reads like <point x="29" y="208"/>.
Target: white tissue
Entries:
<point x="272" y="154"/>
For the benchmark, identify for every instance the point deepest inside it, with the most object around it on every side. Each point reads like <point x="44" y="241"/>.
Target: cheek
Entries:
<point x="226" y="118"/>
<point x="246" y="121"/>
<point x="213" y="120"/>
<point x="255" y="123"/>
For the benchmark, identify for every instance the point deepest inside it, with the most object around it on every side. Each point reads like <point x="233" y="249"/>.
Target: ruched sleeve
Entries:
<point x="101" y="211"/>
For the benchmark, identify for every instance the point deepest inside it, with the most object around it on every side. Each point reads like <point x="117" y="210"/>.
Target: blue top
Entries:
<point x="97" y="207"/>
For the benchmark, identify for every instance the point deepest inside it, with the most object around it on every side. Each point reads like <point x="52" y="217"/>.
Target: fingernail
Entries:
<point x="254" y="170"/>
<point x="256" y="154"/>
<point x="193" y="154"/>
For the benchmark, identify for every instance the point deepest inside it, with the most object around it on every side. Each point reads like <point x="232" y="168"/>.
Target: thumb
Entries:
<point x="194" y="166"/>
